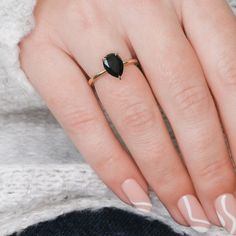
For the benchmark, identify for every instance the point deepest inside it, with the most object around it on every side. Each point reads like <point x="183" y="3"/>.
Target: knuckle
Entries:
<point x="138" y="116"/>
<point x="28" y="44"/>
<point x="108" y="165"/>
<point x="202" y="140"/>
<point x="141" y="7"/>
<point x="217" y="172"/>
<point x="37" y="39"/>
<point x="105" y="164"/>
<point x="80" y="120"/>
<point x="166" y="181"/>
<point x="141" y="4"/>
<point x="167" y="175"/>
<point x="83" y="15"/>
<point x="227" y="72"/>
<point x="32" y="53"/>
<point x="192" y="100"/>
<point x="156" y="149"/>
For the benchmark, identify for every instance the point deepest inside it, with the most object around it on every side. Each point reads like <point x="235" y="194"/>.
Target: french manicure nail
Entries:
<point x="226" y="210"/>
<point x="192" y="211"/>
<point x="136" y="195"/>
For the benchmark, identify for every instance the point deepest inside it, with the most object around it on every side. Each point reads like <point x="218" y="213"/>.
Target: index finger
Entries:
<point x="64" y="88"/>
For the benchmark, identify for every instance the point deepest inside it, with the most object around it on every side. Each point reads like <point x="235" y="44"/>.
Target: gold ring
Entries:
<point x="114" y="66"/>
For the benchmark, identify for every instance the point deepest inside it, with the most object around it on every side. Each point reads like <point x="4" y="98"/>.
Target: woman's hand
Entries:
<point x="187" y="50"/>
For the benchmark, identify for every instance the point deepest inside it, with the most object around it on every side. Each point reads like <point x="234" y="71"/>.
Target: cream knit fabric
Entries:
<point x="42" y="175"/>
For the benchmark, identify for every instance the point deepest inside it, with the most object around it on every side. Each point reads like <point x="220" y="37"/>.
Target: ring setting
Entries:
<point x="114" y="66"/>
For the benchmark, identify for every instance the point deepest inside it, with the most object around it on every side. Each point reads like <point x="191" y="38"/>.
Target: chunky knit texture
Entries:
<point x="102" y="222"/>
<point x="42" y="175"/>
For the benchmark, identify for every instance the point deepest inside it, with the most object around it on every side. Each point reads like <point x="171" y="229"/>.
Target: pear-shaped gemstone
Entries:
<point x="113" y="65"/>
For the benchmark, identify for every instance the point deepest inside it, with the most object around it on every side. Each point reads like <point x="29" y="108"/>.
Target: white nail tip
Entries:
<point x="143" y="210"/>
<point x="190" y="213"/>
<point x="222" y="221"/>
<point x="231" y="217"/>
<point x="200" y="229"/>
<point x="143" y="206"/>
<point x="147" y="204"/>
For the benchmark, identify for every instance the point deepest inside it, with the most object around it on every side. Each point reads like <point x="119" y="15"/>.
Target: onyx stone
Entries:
<point x="113" y="65"/>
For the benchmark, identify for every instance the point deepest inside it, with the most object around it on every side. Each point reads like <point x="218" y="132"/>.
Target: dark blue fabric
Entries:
<point x="104" y="222"/>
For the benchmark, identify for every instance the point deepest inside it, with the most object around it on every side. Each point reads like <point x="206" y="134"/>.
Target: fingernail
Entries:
<point x="192" y="211"/>
<point x="136" y="195"/>
<point x="226" y="210"/>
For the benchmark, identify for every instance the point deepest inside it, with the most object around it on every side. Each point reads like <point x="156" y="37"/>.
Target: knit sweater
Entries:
<point x="42" y="174"/>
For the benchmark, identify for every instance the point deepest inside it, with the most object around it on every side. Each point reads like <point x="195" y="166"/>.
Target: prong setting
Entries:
<point x="114" y="65"/>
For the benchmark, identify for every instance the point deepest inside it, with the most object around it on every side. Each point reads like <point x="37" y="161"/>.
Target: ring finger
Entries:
<point x="179" y="84"/>
<point x="134" y="112"/>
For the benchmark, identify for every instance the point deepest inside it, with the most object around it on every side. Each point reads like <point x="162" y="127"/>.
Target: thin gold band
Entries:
<point x="92" y="80"/>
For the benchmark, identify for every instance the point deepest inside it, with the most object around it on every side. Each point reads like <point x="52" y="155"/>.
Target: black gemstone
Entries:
<point x="113" y="65"/>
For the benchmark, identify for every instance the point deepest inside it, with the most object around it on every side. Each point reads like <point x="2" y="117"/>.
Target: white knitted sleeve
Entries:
<point x="16" y="20"/>
<point x="233" y="5"/>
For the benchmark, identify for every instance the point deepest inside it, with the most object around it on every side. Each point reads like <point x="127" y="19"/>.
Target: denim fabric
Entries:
<point x="104" y="222"/>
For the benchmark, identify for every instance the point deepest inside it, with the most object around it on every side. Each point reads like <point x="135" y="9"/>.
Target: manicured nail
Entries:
<point x="192" y="211"/>
<point x="136" y="195"/>
<point x="226" y="210"/>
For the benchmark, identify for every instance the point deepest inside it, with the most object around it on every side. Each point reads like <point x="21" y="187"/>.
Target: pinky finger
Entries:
<point x="63" y="86"/>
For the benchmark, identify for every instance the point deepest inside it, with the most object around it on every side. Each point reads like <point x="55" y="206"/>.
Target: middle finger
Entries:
<point x="178" y="82"/>
<point x="134" y="112"/>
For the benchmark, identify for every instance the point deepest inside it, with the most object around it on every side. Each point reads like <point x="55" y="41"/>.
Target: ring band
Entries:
<point x="114" y="66"/>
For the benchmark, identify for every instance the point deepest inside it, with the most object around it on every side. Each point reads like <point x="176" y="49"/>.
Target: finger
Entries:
<point x="179" y="84"/>
<point x="217" y="55"/>
<point x="134" y="111"/>
<point x="63" y="86"/>
<point x="216" y="26"/>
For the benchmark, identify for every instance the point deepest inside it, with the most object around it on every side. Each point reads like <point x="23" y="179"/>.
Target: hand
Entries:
<point x="187" y="51"/>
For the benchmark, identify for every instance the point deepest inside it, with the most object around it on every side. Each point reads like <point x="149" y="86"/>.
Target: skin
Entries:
<point x="187" y="51"/>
